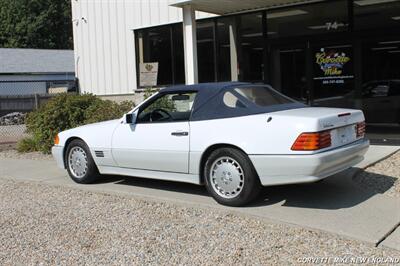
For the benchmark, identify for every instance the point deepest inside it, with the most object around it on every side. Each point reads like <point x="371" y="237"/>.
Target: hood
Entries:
<point x="100" y="124"/>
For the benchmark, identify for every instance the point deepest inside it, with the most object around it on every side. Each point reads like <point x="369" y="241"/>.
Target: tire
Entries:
<point x="79" y="163"/>
<point x="230" y="177"/>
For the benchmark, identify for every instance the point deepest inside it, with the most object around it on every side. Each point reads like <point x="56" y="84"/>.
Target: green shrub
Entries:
<point x="66" y="111"/>
<point x="149" y="92"/>
<point x="27" y="145"/>
<point x="106" y="110"/>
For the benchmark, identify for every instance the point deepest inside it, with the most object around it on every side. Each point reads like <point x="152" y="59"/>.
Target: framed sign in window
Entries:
<point x="148" y="74"/>
<point x="333" y="71"/>
<point x="333" y="65"/>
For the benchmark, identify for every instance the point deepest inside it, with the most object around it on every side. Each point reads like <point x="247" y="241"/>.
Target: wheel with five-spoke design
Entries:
<point x="79" y="162"/>
<point x="230" y="177"/>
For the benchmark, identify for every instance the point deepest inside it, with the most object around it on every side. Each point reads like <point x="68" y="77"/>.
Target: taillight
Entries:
<point x="360" y="129"/>
<point x="312" y="141"/>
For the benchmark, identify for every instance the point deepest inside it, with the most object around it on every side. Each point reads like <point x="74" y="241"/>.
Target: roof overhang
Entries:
<point x="225" y="7"/>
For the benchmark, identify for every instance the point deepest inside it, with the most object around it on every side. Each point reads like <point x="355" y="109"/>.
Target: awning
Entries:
<point x="224" y="7"/>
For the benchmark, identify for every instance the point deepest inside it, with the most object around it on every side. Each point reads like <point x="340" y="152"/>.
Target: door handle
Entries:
<point x="180" y="133"/>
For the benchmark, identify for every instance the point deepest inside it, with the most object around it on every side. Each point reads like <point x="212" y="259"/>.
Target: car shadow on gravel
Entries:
<point x="339" y="191"/>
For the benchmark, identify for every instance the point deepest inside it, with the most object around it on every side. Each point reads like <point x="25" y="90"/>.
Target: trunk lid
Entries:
<point x="342" y="123"/>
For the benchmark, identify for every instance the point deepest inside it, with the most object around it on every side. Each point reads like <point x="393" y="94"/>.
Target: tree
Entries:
<point x="44" y="24"/>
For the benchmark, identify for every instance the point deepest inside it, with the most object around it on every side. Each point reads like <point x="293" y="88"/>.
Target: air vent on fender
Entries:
<point x="99" y="153"/>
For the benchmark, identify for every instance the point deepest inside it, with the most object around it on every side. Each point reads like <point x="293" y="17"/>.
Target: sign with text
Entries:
<point x="333" y="65"/>
<point x="148" y="74"/>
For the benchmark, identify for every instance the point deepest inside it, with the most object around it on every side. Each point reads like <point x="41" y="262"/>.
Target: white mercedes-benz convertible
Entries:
<point x="232" y="137"/>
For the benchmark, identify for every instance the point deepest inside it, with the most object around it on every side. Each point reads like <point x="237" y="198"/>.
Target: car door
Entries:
<point x="159" y="138"/>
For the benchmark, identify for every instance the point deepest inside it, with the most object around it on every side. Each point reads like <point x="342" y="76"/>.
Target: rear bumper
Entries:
<point x="58" y="154"/>
<point x="292" y="169"/>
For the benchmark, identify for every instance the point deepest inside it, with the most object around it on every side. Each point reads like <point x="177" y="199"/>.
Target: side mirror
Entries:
<point x="128" y="119"/>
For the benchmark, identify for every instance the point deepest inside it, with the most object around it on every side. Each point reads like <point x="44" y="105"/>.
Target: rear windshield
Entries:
<point x="263" y="96"/>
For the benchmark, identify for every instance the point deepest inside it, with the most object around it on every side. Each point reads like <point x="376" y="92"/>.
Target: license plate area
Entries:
<point x="343" y="135"/>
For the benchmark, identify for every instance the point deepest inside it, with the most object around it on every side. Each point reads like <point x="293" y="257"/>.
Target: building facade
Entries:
<point x="342" y="53"/>
<point x="104" y="41"/>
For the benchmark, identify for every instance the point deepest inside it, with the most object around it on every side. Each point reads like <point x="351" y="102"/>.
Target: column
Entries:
<point x="190" y="44"/>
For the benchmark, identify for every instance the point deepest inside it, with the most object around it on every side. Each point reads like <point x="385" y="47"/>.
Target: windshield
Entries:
<point x="263" y="96"/>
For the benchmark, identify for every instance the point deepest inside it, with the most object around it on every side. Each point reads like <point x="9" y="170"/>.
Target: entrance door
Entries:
<point x="288" y="71"/>
<point x="250" y="47"/>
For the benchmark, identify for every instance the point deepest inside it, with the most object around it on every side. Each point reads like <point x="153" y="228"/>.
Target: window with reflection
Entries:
<point x="250" y="42"/>
<point x="163" y="45"/>
<point x="325" y="17"/>
<point x="155" y="46"/>
<point x="333" y="71"/>
<point x="178" y="54"/>
<point x="380" y="90"/>
<point x="291" y="62"/>
<point x="369" y="14"/>
<point x="205" y="51"/>
<point x="171" y="107"/>
<point x="224" y="26"/>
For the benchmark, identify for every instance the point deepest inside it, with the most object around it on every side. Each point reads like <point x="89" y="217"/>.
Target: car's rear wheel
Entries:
<point x="80" y="164"/>
<point x="230" y="177"/>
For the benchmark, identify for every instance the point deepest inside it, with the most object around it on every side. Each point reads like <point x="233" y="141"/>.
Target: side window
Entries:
<point x="171" y="107"/>
<point x="262" y="96"/>
<point x="232" y="101"/>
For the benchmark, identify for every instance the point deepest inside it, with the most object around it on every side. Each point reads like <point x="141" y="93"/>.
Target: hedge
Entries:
<point x="66" y="111"/>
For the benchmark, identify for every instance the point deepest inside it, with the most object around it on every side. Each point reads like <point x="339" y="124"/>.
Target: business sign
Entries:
<point x="148" y="74"/>
<point x="333" y="65"/>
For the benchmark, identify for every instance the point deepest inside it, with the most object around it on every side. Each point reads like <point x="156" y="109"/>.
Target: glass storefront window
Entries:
<point x="380" y="91"/>
<point x="317" y="18"/>
<point x="178" y="54"/>
<point x="369" y="14"/>
<point x="156" y="47"/>
<point x="224" y="26"/>
<point x="337" y="53"/>
<point x="163" y="45"/>
<point x="205" y="51"/>
<point x="292" y="72"/>
<point x="250" y="47"/>
<point x="333" y="71"/>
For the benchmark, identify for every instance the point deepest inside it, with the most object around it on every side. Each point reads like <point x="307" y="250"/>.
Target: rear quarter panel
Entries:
<point x="253" y="134"/>
<point x="256" y="136"/>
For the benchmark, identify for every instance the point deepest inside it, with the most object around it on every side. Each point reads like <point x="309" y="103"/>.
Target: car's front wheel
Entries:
<point x="230" y="177"/>
<point x="79" y="162"/>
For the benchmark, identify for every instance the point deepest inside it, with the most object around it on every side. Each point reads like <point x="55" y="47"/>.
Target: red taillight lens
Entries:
<point x="360" y="129"/>
<point x="312" y="141"/>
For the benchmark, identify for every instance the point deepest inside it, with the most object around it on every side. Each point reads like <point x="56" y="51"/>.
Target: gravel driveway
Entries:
<point x="43" y="224"/>
<point x="382" y="177"/>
